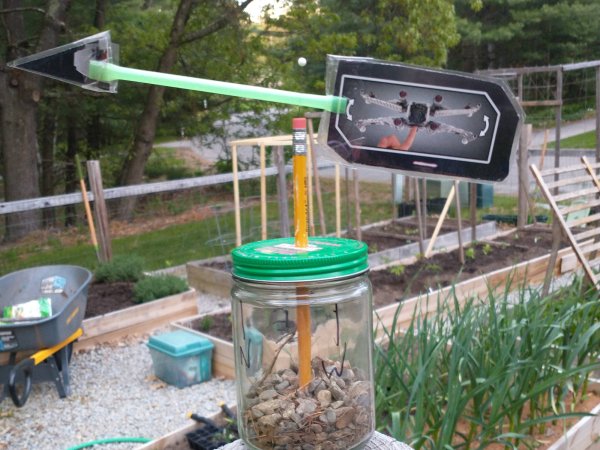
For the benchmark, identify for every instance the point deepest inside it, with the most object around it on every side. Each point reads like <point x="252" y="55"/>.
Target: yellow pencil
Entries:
<point x="301" y="240"/>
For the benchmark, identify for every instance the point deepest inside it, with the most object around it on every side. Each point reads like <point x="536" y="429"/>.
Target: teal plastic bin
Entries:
<point x="181" y="358"/>
<point x="485" y="195"/>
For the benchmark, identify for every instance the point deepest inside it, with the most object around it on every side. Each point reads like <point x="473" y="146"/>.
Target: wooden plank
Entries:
<point x="575" y="194"/>
<point x="223" y="358"/>
<point x="583" y="435"/>
<point x="552" y="201"/>
<point x="568" y="181"/>
<point x="523" y="188"/>
<point x="583" y="220"/>
<point x="136" y="190"/>
<point x="176" y="440"/>
<point x="587" y="234"/>
<point x="532" y="271"/>
<point x="575" y="207"/>
<point x="208" y="279"/>
<point x="100" y="212"/>
<point x="285" y="139"/>
<point x="561" y="170"/>
<point x="541" y="103"/>
<point x="263" y="194"/>
<point x="282" y="196"/>
<point x="441" y="219"/>
<point x="236" y="196"/>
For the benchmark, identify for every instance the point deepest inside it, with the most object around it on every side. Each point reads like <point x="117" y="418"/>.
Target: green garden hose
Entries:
<point x="115" y="440"/>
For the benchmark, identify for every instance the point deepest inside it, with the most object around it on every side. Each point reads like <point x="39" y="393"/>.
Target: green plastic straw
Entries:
<point x="103" y="71"/>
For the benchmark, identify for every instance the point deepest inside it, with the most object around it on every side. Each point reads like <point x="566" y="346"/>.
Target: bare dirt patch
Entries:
<point x="443" y="269"/>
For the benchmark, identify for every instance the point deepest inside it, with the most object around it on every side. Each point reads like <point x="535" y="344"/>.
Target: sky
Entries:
<point x="255" y="8"/>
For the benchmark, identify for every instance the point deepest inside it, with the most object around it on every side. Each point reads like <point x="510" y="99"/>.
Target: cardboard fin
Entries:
<point x="69" y="63"/>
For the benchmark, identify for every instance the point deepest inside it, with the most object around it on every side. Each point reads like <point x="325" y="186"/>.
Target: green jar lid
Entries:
<point x="280" y="260"/>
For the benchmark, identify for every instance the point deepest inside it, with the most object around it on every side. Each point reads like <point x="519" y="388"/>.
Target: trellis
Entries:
<point x="545" y="88"/>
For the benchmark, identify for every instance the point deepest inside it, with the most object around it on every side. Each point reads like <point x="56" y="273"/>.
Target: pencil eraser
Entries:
<point x="298" y="123"/>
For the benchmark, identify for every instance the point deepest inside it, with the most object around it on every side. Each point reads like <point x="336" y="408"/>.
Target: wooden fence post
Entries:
<point x="523" y="206"/>
<point x="95" y="176"/>
<point x="284" y="217"/>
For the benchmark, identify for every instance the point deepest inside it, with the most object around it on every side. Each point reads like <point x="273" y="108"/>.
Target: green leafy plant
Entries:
<point x="397" y="270"/>
<point x="470" y="253"/>
<point x="153" y="287"/>
<point x="432" y="267"/>
<point x="465" y="376"/>
<point x="162" y="164"/>
<point x="120" y="268"/>
<point x="206" y="323"/>
<point x="487" y="249"/>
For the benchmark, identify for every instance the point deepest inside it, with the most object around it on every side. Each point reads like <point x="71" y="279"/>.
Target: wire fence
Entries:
<point x="167" y="228"/>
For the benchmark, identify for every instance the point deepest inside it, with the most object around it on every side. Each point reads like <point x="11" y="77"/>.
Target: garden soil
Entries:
<point x="392" y="284"/>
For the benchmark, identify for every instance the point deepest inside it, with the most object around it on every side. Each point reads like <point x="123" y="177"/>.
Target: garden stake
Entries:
<point x="301" y="240"/>
<point x="86" y="204"/>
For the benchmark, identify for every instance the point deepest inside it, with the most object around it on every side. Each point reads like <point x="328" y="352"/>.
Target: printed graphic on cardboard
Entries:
<point x="417" y="119"/>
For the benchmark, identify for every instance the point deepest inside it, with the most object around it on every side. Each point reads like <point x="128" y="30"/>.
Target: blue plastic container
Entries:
<point x="181" y="358"/>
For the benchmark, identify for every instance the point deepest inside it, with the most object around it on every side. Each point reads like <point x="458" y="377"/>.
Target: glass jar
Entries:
<point x="303" y="339"/>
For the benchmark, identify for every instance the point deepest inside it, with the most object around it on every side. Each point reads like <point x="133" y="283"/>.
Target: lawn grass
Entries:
<point x="183" y="242"/>
<point x="585" y="140"/>
<point x="214" y="235"/>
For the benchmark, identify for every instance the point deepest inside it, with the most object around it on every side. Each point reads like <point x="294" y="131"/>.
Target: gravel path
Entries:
<point x="114" y="393"/>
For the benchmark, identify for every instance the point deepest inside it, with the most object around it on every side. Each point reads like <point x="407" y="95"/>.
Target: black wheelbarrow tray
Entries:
<point x="50" y="339"/>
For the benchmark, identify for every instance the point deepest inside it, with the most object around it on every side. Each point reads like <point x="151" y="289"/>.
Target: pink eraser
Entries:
<point x="298" y="123"/>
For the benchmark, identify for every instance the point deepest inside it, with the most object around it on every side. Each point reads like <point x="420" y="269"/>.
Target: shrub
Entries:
<point x="121" y="268"/>
<point x="153" y="287"/>
<point x="163" y="164"/>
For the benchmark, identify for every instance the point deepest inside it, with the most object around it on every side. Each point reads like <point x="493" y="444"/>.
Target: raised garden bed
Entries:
<point x="139" y="318"/>
<point x="215" y="326"/>
<point x="583" y="435"/>
<point x="213" y="275"/>
<point x="510" y="259"/>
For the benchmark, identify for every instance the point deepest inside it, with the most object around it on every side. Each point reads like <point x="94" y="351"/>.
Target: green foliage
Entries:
<point x="163" y="164"/>
<point x="397" y="270"/>
<point x="486" y="362"/>
<point x="508" y="33"/>
<point x="152" y="287"/>
<point x="206" y="323"/>
<point x="398" y="30"/>
<point x="585" y="140"/>
<point x="120" y="268"/>
<point x="470" y="253"/>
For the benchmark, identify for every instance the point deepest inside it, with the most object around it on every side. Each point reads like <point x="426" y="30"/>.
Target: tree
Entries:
<point x="515" y="33"/>
<point x="412" y="31"/>
<point x="25" y="28"/>
<point x="228" y="14"/>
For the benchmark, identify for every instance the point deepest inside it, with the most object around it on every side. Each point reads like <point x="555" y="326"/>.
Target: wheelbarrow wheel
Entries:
<point x="26" y="368"/>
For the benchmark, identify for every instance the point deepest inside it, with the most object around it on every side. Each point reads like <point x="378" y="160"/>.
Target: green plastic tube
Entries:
<point x="115" y="440"/>
<point x="107" y="72"/>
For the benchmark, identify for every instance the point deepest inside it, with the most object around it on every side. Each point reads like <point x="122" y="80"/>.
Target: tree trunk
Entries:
<point x="19" y="97"/>
<point x="133" y="170"/>
<point x="47" y="146"/>
<point x="73" y="137"/>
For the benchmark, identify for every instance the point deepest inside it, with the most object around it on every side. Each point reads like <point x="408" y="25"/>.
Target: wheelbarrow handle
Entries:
<point x="26" y="367"/>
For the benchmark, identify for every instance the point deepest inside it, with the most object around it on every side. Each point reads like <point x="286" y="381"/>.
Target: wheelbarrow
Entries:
<point x="46" y="337"/>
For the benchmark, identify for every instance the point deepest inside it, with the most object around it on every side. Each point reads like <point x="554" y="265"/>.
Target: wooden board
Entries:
<point x="532" y="271"/>
<point x="141" y="318"/>
<point x="223" y="361"/>
<point x="209" y="279"/>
